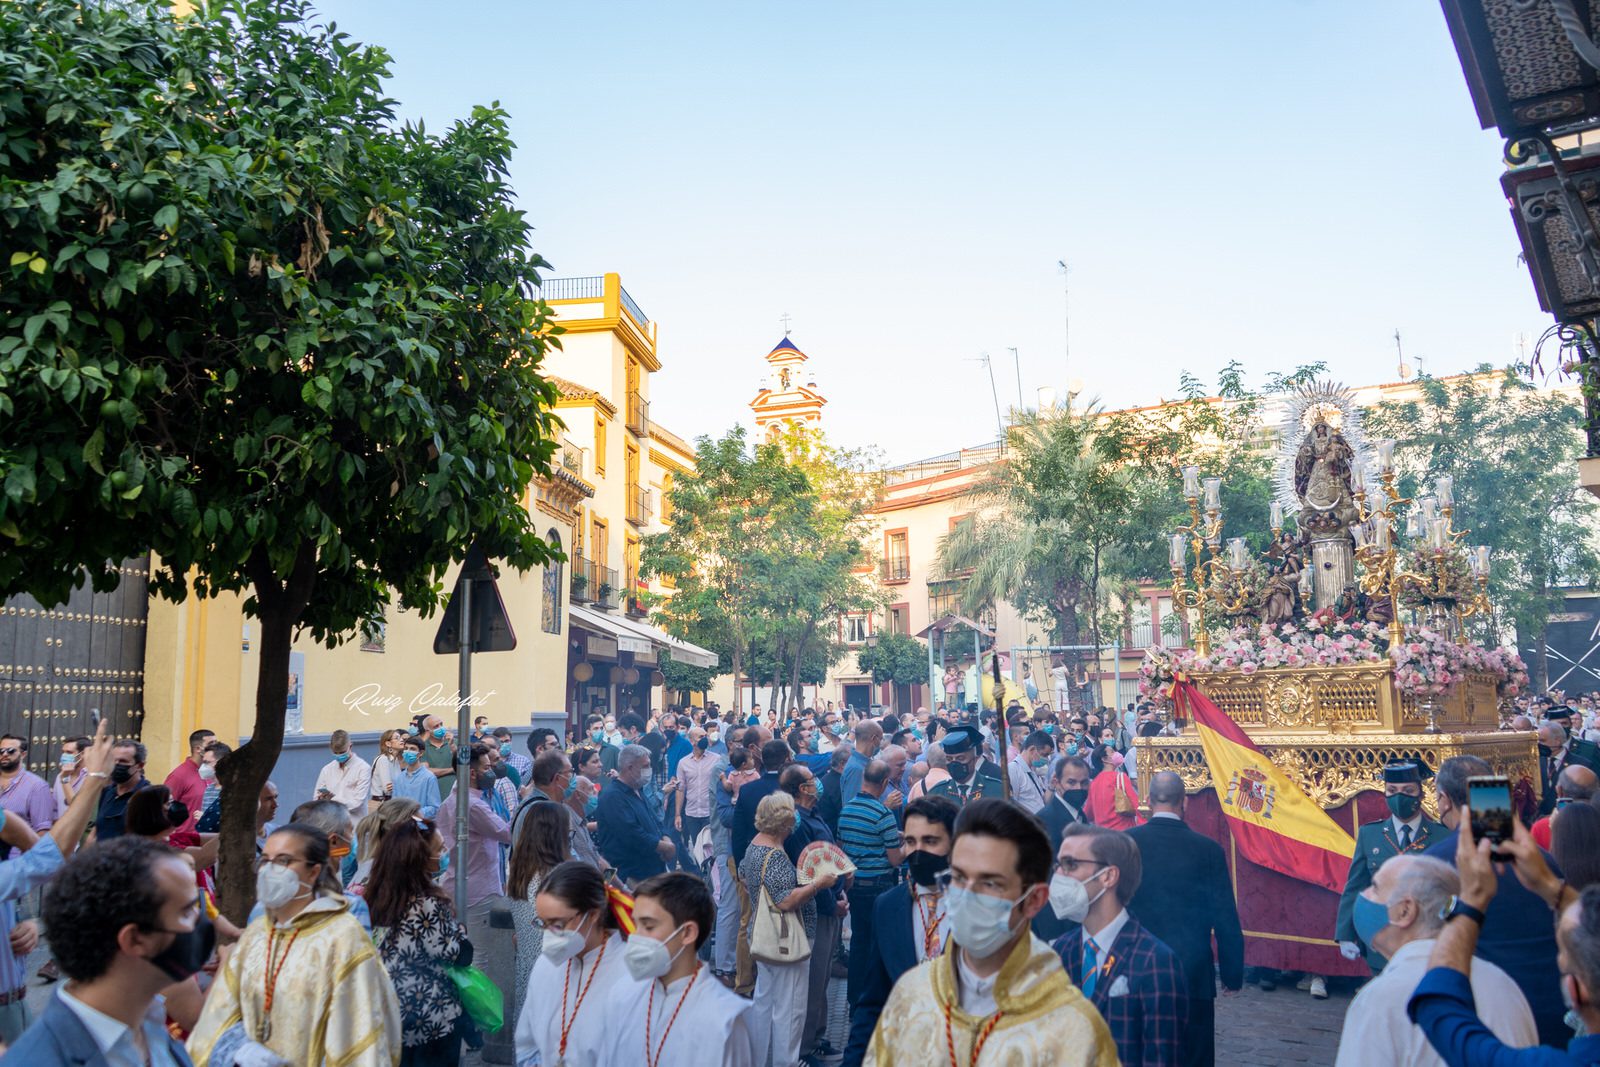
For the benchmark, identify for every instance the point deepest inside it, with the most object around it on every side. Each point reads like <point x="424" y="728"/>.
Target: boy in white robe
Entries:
<point x="675" y="1013"/>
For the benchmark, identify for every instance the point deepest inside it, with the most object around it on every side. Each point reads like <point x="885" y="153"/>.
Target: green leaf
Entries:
<point x="98" y="258"/>
<point x="93" y="448"/>
<point x="38" y="265"/>
<point x="167" y="218"/>
<point x="20" y="257"/>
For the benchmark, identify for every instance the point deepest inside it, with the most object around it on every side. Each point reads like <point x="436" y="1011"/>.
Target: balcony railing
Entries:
<point x="1141" y="635"/>
<point x="609" y="594"/>
<point x="639" y="505"/>
<point x="897" y="570"/>
<point x="638" y="415"/>
<point x="591" y="288"/>
<point x="584" y="579"/>
<point x="633" y="309"/>
<point x="571" y="458"/>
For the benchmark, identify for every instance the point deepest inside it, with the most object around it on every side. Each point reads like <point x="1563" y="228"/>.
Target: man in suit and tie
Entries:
<point x="1554" y="752"/>
<point x="1133" y="979"/>
<point x="1406" y="831"/>
<point x="1183" y="898"/>
<point x="908" y="920"/>
<point x="1070" y="798"/>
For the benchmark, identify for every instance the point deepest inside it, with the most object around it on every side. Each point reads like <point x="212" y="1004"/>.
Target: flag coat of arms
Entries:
<point x="1272" y="820"/>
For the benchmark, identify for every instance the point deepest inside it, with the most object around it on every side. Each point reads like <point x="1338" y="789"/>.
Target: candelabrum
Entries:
<point x="1192" y="587"/>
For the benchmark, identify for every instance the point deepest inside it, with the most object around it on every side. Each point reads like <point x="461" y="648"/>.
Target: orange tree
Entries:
<point x="257" y="327"/>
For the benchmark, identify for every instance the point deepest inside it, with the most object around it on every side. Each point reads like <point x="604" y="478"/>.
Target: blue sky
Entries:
<point x="1272" y="181"/>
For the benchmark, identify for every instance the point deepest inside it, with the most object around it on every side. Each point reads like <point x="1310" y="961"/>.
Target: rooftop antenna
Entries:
<point x="1404" y="370"/>
<point x="784" y="318"/>
<point x="983" y="357"/>
<point x="1066" y="315"/>
<point x="1016" y="362"/>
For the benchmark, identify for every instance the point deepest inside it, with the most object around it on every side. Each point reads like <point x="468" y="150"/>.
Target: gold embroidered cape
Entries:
<point x="1045" y="1020"/>
<point x="333" y="1004"/>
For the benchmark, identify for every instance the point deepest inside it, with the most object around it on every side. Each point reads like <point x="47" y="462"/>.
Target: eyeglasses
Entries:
<point x="558" y="925"/>
<point x="277" y="861"/>
<point x="1070" y="865"/>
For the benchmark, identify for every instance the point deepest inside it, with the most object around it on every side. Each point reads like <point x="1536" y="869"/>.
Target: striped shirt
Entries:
<point x="867" y="831"/>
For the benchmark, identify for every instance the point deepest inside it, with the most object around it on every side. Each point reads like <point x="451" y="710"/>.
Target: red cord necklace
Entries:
<point x="650" y="1011"/>
<point x="977" y="1046"/>
<point x="566" y="1023"/>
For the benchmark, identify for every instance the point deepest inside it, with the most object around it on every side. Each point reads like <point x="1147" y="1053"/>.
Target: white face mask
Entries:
<point x="646" y="957"/>
<point x="979" y="923"/>
<point x="559" y="946"/>
<point x="207" y="772"/>
<point x="276" y="886"/>
<point x="1069" y="898"/>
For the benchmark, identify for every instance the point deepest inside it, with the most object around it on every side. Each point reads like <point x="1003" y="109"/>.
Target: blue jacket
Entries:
<point x="629" y="830"/>
<point x="1140" y="993"/>
<point x="751" y="794"/>
<point x="1442" y="1006"/>
<point x="893" y="952"/>
<point x="58" y="1039"/>
<point x="1519" y="937"/>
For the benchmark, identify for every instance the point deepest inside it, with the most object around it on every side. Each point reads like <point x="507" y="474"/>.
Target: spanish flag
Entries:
<point x="1273" y="821"/>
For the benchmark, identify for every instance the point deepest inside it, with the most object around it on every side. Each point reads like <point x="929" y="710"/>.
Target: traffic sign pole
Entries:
<point x="463" y="744"/>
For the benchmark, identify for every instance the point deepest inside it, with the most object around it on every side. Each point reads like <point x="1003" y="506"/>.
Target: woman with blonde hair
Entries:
<point x="371" y="830"/>
<point x="384" y="767"/>
<point x="780" y="996"/>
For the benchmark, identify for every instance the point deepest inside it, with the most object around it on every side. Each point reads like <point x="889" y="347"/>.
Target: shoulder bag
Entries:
<point x="776" y="936"/>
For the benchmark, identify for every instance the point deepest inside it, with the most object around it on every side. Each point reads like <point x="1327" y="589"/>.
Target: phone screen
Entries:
<point x="1490" y="800"/>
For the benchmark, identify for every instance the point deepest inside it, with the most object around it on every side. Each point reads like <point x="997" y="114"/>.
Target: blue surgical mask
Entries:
<point x="1370" y="918"/>
<point x="341" y="757"/>
<point x="590" y="807"/>
<point x="572" y="785"/>
<point x="505" y="748"/>
<point x="410" y="756"/>
<point x="438" y="732"/>
<point x="1072" y="749"/>
<point x="444" y="864"/>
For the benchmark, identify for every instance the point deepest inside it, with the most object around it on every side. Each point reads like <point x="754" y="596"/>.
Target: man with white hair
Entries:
<point x="1399" y="915"/>
<point x="1553" y="756"/>
<point x="630" y="830"/>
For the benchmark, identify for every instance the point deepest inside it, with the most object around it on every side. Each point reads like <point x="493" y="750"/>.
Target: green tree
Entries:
<point x="898" y="659"/>
<point x="1512" y="451"/>
<point x="256" y="327"/>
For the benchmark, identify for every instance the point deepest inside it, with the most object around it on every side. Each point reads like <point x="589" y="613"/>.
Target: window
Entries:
<point x="599" y="445"/>
<point x="1140" y="618"/>
<point x="899" y="620"/>
<point x="896" y="556"/>
<point x="856" y="628"/>
<point x="550" y="606"/>
<point x="1168" y="623"/>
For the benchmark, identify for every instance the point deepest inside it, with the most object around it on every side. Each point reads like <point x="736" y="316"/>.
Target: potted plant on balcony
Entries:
<point x="580" y="582"/>
<point x="605" y="592"/>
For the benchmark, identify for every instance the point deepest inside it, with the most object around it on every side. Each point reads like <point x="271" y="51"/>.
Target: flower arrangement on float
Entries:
<point x="1427" y="663"/>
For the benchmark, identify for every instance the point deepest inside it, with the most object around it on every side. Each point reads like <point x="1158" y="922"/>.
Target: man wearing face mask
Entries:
<point x="1406" y="831"/>
<point x="438" y="754"/>
<point x="673" y="1013"/>
<point x="125" y="924"/>
<point x="630" y="831"/>
<point x="909" y="924"/>
<point x="413" y="781"/>
<point x="346" y="778"/>
<point x="1069" y="801"/>
<point x="127" y="778"/>
<point x="996" y="989"/>
<point x="870" y="835"/>
<point x="971" y="777"/>
<point x="1399" y="916"/>
<point x="1028" y="770"/>
<point x="1133" y="979"/>
<point x="600" y="738"/>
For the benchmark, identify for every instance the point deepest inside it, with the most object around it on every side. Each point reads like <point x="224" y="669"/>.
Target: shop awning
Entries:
<point x="641" y="637"/>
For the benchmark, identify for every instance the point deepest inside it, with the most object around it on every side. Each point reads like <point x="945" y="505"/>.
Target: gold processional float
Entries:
<point x="1344" y="645"/>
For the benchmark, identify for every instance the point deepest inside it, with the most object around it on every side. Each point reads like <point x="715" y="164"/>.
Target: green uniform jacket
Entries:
<point x="984" y="783"/>
<point x="1375" y="843"/>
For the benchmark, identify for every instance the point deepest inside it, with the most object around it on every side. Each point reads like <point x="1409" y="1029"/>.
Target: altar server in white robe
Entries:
<point x="675" y="1013"/>
<point x="563" y="1020"/>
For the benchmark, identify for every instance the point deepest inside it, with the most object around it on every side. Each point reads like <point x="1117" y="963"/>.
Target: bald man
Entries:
<point x="1575" y="783"/>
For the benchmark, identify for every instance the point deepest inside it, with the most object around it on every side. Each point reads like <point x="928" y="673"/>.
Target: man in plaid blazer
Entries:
<point x="1133" y="979"/>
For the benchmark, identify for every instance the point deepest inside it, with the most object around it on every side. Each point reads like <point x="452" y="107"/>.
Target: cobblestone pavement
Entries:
<point x="1286" y="1026"/>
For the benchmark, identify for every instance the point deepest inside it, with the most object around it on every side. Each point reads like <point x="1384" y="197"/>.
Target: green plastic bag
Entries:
<point x="479" y="996"/>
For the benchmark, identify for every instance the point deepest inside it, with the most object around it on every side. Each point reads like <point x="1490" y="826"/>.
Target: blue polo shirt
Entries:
<point x="867" y="831"/>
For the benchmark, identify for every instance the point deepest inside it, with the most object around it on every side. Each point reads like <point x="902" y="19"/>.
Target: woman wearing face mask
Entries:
<point x="780" y="995"/>
<point x="385" y="767"/>
<point x="1113" y="800"/>
<point x="563" y="1017"/>
<point x="540" y="847"/>
<point x="305" y="984"/>
<point x="417" y="934"/>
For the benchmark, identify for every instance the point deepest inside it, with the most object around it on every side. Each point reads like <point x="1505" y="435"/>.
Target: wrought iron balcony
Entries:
<point x="638" y="414"/>
<point x="589" y="288"/>
<point x="896" y="569"/>
<point x="639" y="505"/>
<point x="585" y="581"/>
<point x="570" y="458"/>
<point x="609" y="594"/>
<point x="633" y="308"/>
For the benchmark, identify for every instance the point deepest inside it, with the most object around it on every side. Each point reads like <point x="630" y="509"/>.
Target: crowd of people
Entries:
<point x="683" y="888"/>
